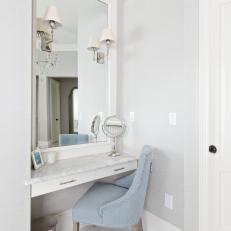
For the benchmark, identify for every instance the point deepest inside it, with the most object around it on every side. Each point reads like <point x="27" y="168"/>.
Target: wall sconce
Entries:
<point x="107" y="38"/>
<point x="94" y="45"/>
<point x="43" y="34"/>
<point x="52" y="19"/>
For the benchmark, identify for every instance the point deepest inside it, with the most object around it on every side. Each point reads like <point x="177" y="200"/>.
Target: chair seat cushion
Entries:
<point x="86" y="210"/>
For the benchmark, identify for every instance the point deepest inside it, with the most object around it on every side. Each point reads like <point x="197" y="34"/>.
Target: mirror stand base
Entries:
<point x="114" y="154"/>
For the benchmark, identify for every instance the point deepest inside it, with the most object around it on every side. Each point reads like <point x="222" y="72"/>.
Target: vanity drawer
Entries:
<point x="116" y="169"/>
<point x="41" y="188"/>
<point x="62" y="183"/>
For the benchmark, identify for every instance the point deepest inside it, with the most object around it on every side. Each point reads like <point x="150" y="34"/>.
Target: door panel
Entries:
<point x="225" y="39"/>
<point x="220" y="116"/>
<point x="225" y="199"/>
<point x="55" y="110"/>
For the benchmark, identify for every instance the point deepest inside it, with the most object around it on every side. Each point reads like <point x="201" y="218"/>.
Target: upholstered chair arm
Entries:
<point x="125" y="181"/>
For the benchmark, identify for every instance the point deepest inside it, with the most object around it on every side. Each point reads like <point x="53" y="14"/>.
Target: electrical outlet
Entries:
<point x="172" y="118"/>
<point x="168" y="202"/>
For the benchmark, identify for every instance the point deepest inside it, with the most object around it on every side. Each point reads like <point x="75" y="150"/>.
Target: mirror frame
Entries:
<point x="111" y="81"/>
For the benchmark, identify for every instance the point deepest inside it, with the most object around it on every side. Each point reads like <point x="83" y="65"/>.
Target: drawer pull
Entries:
<point x="68" y="182"/>
<point x="118" y="169"/>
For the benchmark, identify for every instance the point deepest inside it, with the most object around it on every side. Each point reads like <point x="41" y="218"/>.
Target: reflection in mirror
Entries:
<point x="113" y="127"/>
<point x="62" y="103"/>
<point x="95" y="126"/>
<point x="71" y="94"/>
<point x="73" y="110"/>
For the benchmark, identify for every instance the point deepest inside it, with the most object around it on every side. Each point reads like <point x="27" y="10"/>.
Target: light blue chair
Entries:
<point x="119" y="204"/>
<point x="73" y="139"/>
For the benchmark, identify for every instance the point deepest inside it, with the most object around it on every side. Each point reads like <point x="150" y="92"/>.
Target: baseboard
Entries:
<point x="150" y="222"/>
<point x="154" y="223"/>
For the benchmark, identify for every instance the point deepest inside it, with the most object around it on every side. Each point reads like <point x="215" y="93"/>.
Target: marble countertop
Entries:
<point x="72" y="166"/>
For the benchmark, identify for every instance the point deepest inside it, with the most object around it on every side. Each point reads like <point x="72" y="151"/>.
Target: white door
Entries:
<point x="220" y="116"/>
<point x="55" y="110"/>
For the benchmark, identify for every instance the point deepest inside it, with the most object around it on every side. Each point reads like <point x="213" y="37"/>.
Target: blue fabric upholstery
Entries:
<point x="73" y="139"/>
<point x="125" y="181"/>
<point x="116" y="205"/>
<point x="87" y="209"/>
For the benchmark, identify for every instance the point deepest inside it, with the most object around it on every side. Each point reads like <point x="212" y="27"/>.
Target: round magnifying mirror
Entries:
<point x="95" y="126"/>
<point x="114" y="127"/>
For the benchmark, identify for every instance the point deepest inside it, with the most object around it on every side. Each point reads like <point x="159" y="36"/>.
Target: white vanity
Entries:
<point x="76" y="171"/>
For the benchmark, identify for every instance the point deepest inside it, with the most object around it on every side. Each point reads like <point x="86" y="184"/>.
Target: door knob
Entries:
<point x="212" y="149"/>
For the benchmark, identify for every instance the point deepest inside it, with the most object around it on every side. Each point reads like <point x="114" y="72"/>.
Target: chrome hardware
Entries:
<point x="213" y="149"/>
<point x="118" y="169"/>
<point x="68" y="182"/>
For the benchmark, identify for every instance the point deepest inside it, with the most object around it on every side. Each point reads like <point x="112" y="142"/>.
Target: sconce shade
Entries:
<point x="107" y="35"/>
<point x="52" y="14"/>
<point x="93" y="44"/>
<point x="41" y="27"/>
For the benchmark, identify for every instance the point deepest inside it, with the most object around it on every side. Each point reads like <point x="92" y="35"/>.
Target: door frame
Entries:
<point x="71" y="111"/>
<point x="203" y="106"/>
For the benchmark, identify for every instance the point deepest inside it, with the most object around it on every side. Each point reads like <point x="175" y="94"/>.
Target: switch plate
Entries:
<point x="132" y="116"/>
<point x="168" y="202"/>
<point x="100" y="115"/>
<point x="172" y="118"/>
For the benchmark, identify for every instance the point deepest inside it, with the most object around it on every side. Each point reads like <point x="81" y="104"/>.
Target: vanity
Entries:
<point x="79" y="170"/>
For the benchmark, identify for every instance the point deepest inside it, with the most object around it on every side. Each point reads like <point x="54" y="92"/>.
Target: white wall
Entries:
<point x="67" y="64"/>
<point x="15" y="119"/>
<point x="152" y="83"/>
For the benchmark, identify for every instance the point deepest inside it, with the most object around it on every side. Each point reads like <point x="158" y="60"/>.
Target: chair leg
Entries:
<point x="76" y="227"/>
<point x="138" y="227"/>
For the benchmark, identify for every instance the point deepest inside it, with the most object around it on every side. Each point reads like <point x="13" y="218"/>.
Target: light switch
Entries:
<point x="100" y="115"/>
<point x="132" y="116"/>
<point x="168" y="202"/>
<point x="172" y="118"/>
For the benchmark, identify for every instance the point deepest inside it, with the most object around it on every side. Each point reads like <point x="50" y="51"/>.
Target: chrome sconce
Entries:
<point x="94" y="46"/>
<point x="52" y="19"/>
<point x="107" y="38"/>
<point x="46" y="27"/>
<point x="43" y="34"/>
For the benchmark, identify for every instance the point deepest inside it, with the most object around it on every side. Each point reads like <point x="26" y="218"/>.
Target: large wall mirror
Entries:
<point x="70" y="72"/>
